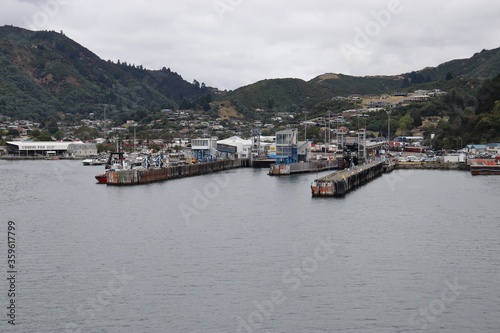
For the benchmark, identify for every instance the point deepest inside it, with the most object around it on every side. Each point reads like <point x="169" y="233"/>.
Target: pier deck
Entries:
<point x="143" y="176"/>
<point x="341" y="182"/>
<point x="302" y="167"/>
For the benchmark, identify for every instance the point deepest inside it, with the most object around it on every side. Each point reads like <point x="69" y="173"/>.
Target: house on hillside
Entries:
<point x="416" y="98"/>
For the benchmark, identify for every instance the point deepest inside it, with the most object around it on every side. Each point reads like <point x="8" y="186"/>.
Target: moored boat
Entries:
<point x="93" y="160"/>
<point x="116" y="161"/>
<point x="484" y="167"/>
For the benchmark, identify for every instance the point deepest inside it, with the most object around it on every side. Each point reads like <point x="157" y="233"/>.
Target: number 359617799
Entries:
<point x="11" y="241"/>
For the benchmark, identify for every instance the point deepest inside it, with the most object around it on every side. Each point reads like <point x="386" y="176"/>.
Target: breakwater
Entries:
<point x="143" y="176"/>
<point x="341" y="182"/>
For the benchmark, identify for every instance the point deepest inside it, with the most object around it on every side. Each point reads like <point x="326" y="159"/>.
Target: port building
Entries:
<point x="234" y="147"/>
<point x="51" y="148"/>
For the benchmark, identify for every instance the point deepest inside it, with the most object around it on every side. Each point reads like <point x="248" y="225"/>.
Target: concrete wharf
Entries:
<point x="341" y="182"/>
<point x="302" y="167"/>
<point x="143" y="176"/>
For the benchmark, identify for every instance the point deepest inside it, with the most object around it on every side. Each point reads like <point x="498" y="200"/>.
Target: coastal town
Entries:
<point x="343" y="144"/>
<point x="250" y="166"/>
<point x="190" y="136"/>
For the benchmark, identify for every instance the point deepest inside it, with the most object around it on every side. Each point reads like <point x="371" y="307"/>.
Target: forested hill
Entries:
<point x="283" y="93"/>
<point x="482" y="65"/>
<point x="45" y="73"/>
<point x="297" y="94"/>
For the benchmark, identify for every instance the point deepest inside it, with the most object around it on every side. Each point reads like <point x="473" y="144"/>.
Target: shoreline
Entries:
<point x="432" y="166"/>
<point x="20" y="158"/>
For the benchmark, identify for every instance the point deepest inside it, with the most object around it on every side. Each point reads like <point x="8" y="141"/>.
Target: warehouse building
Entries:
<point x="51" y="148"/>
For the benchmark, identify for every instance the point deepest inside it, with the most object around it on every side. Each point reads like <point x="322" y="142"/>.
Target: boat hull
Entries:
<point x="101" y="179"/>
<point x="476" y="172"/>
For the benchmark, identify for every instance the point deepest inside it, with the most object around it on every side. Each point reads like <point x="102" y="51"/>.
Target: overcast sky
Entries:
<point x="231" y="43"/>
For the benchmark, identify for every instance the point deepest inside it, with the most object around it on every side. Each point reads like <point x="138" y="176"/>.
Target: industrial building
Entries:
<point x="51" y="148"/>
<point x="204" y="149"/>
<point x="234" y="147"/>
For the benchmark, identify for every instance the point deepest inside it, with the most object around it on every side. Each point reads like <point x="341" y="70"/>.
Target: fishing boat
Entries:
<point x="116" y="161"/>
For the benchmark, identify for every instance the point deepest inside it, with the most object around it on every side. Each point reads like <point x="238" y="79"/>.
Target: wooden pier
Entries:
<point x="341" y="182"/>
<point x="143" y="176"/>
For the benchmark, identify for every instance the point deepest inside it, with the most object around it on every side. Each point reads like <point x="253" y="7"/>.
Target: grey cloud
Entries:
<point x="250" y="40"/>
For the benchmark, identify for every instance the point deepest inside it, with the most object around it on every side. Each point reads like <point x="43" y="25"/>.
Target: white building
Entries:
<point x="234" y="147"/>
<point x="493" y="148"/>
<point x="204" y="149"/>
<point x="51" y="148"/>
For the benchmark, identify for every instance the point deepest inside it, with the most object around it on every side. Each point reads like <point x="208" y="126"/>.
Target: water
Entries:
<point x="240" y="251"/>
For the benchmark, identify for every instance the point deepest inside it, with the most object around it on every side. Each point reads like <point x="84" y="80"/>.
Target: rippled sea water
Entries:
<point x="240" y="251"/>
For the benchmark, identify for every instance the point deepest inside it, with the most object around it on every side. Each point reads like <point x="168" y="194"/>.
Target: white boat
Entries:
<point x="93" y="160"/>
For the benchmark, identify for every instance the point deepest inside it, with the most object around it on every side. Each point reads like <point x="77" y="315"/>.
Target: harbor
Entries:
<point x="189" y="224"/>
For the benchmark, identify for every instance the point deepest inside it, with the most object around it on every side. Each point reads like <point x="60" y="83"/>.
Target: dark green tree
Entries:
<point x="45" y="136"/>
<point x="86" y="133"/>
<point x="52" y="127"/>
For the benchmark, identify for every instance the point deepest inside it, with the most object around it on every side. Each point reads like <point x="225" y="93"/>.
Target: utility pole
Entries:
<point x="388" y="128"/>
<point x="305" y="125"/>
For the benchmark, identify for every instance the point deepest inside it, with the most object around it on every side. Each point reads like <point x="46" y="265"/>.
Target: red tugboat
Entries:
<point x="115" y="161"/>
<point x="101" y="179"/>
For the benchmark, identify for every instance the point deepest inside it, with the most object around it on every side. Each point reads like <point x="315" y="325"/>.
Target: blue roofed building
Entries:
<point x="475" y="149"/>
<point x="493" y="148"/>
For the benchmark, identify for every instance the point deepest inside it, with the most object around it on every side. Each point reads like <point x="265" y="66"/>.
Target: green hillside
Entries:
<point x="482" y="65"/>
<point x="290" y="94"/>
<point x="286" y="92"/>
<point x="339" y="84"/>
<point x="281" y="93"/>
<point x="45" y="73"/>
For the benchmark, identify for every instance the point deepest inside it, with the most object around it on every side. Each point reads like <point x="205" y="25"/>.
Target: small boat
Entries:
<point x="93" y="160"/>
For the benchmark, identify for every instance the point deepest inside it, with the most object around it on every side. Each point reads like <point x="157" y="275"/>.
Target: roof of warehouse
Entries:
<point x="43" y="144"/>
